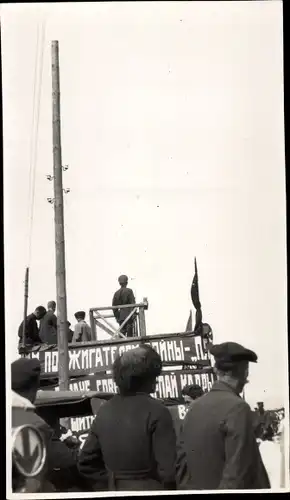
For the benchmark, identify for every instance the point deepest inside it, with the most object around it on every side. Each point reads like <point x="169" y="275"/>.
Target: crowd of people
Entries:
<point x="46" y="332"/>
<point x="133" y="444"/>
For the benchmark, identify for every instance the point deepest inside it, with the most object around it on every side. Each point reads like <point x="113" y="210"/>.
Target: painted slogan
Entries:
<point x="169" y="386"/>
<point x="97" y="357"/>
<point x="90" y="367"/>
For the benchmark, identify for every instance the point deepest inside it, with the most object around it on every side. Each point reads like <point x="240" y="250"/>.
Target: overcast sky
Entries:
<point x="172" y="126"/>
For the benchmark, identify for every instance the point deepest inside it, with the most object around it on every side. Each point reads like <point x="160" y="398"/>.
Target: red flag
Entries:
<point x="189" y="323"/>
<point x="195" y="299"/>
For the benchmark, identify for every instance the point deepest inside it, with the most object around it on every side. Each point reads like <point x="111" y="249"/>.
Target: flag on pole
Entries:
<point x="195" y="299"/>
<point x="189" y="323"/>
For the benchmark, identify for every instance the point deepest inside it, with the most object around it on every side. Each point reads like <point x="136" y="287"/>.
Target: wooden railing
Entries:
<point x="137" y="313"/>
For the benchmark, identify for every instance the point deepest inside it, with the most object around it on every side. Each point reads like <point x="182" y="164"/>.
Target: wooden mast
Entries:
<point x="59" y="224"/>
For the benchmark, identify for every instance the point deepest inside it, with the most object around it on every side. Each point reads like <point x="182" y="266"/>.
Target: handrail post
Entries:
<point x="93" y="325"/>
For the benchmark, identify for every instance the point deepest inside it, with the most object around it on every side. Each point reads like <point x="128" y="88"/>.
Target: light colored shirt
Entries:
<point x="82" y="332"/>
<point x="271" y="456"/>
<point x="21" y="402"/>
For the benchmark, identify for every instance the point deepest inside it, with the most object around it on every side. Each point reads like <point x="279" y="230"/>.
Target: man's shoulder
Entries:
<point x="223" y="400"/>
<point x="49" y="314"/>
<point x="21" y="416"/>
<point x="157" y="406"/>
<point x="46" y="317"/>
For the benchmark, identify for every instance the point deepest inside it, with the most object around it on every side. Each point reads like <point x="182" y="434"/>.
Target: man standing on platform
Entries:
<point x="70" y="332"/>
<point x="82" y="331"/>
<point x="31" y="328"/>
<point x="48" y="325"/>
<point x="124" y="296"/>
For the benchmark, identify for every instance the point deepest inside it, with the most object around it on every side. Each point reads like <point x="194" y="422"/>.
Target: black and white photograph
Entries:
<point x="145" y="260"/>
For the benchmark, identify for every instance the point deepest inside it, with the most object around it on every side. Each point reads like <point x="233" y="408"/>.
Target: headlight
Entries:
<point x="28" y="451"/>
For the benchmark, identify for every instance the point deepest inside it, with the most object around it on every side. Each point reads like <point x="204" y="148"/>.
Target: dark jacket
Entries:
<point x="217" y="447"/>
<point x="31" y="331"/>
<point x="70" y="334"/>
<point x="123" y="297"/>
<point x="131" y="446"/>
<point x="62" y="466"/>
<point x="48" y="328"/>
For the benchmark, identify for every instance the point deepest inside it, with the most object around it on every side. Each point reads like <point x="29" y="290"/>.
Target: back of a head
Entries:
<point x="123" y="280"/>
<point x="137" y="370"/>
<point x="194" y="391"/>
<point x="40" y="311"/>
<point x="51" y="305"/>
<point x="25" y="377"/>
<point x="80" y="315"/>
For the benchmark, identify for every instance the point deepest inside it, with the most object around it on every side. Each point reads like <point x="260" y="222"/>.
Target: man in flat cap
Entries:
<point x="217" y="449"/>
<point x="124" y="296"/>
<point x="82" y="331"/>
<point x="48" y="325"/>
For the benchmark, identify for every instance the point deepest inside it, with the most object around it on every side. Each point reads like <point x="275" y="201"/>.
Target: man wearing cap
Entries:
<point x="25" y="382"/>
<point x="217" y="449"/>
<point x="48" y="325"/>
<point x="124" y="296"/>
<point x="82" y="331"/>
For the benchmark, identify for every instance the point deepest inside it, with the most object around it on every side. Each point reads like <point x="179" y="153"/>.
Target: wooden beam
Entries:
<point x="107" y="322"/>
<point x="142" y="323"/>
<point x="107" y="330"/>
<point x="126" y="320"/>
<point x="108" y="308"/>
<point x="93" y="326"/>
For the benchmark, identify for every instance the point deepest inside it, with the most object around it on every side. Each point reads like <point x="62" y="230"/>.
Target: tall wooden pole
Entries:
<point x="59" y="225"/>
<point x="22" y="347"/>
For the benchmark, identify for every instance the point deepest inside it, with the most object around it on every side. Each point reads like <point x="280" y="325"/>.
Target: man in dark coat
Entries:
<point x="61" y="467"/>
<point x="70" y="332"/>
<point x="124" y="296"/>
<point x="131" y="445"/>
<point x="31" y="327"/>
<point x="217" y="448"/>
<point x="48" y="325"/>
